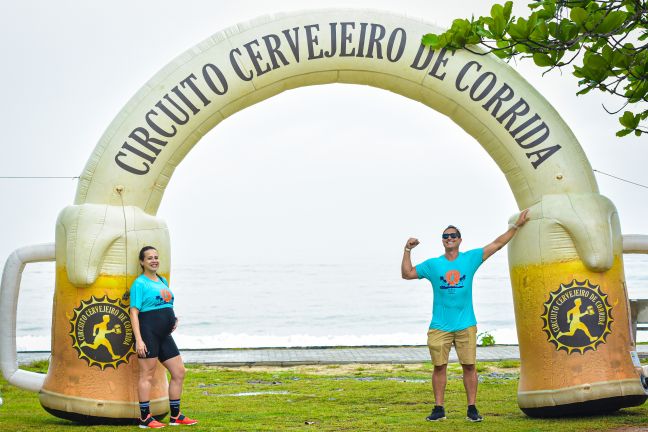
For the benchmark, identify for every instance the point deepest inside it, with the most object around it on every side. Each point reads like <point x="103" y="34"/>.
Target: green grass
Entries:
<point x="340" y="398"/>
<point x="508" y="364"/>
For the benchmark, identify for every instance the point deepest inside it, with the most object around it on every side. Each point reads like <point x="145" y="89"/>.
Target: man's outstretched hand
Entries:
<point x="522" y="219"/>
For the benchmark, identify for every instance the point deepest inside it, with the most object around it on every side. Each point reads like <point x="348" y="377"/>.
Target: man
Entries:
<point x="453" y="318"/>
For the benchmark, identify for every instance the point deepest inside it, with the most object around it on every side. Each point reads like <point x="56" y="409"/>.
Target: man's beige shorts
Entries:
<point x="465" y="342"/>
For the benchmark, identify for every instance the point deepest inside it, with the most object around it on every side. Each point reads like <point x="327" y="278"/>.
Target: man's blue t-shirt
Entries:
<point x="147" y="295"/>
<point x="452" y="308"/>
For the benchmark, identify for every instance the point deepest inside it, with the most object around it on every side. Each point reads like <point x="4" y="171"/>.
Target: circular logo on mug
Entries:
<point x="102" y="333"/>
<point x="577" y="317"/>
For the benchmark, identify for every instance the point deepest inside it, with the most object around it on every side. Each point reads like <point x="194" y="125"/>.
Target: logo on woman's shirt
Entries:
<point x="164" y="297"/>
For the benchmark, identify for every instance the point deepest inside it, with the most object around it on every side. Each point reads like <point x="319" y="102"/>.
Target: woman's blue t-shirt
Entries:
<point x="147" y="295"/>
<point x="452" y="308"/>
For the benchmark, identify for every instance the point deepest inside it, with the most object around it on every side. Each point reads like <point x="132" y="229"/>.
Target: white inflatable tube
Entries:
<point x="9" y="289"/>
<point x="635" y="244"/>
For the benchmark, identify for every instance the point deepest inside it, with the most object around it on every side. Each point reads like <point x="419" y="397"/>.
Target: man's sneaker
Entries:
<point x="473" y="415"/>
<point x="150" y="423"/>
<point x="438" y="413"/>
<point x="182" y="420"/>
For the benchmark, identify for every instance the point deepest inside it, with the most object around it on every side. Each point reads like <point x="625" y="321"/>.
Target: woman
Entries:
<point x="153" y="320"/>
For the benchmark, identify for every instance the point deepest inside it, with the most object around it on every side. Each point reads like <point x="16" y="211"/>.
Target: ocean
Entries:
<point x="289" y="305"/>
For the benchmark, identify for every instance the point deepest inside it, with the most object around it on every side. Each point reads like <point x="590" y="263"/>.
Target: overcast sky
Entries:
<point x="325" y="174"/>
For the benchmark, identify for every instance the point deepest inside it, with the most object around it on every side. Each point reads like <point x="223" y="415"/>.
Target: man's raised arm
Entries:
<point x="502" y="240"/>
<point x="408" y="271"/>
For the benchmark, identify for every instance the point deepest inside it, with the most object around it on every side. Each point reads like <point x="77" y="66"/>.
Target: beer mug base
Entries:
<point x="93" y="411"/>
<point x="586" y="399"/>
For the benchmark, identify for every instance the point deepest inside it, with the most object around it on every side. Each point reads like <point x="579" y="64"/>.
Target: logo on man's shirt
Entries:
<point x="452" y="280"/>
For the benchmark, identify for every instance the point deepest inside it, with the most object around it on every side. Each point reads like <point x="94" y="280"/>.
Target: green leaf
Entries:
<point x="540" y="33"/>
<point x="623" y="132"/>
<point x="431" y="40"/>
<point x="533" y="21"/>
<point x="620" y="60"/>
<point x="508" y="7"/>
<point x="638" y="93"/>
<point x="503" y="54"/>
<point x="571" y="31"/>
<point x="629" y="120"/>
<point x="458" y="40"/>
<point x="473" y="39"/>
<point x="600" y="43"/>
<point x="498" y="27"/>
<point x="566" y="30"/>
<point x="502" y="44"/>
<point x="630" y="7"/>
<point x="592" y="7"/>
<point x="584" y="91"/>
<point x="497" y="11"/>
<point x="490" y="22"/>
<point x="594" y="19"/>
<point x="548" y="11"/>
<point x="522" y="48"/>
<point x="607" y="53"/>
<point x="578" y="15"/>
<point x="595" y="67"/>
<point x="637" y="132"/>
<point x="519" y="30"/>
<point x="542" y="60"/>
<point x="481" y="31"/>
<point x="612" y="21"/>
<point x="595" y="61"/>
<point x="460" y="25"/>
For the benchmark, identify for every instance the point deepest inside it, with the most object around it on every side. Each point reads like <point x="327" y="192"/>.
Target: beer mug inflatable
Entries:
<point x="92" y="375"/>
<point x="572" y="313"/>
<point x="566" y="264"/>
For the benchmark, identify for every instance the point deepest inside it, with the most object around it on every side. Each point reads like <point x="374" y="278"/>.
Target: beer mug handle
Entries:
<point x="9" y="289"/>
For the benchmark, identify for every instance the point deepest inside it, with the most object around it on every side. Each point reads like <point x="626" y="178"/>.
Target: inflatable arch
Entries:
<point x="566" y="261"/>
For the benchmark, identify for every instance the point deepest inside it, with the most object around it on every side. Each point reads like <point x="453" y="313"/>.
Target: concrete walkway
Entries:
<point x="314" y="356"/>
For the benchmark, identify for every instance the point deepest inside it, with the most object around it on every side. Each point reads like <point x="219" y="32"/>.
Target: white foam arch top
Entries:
<point x="565" y="170"/>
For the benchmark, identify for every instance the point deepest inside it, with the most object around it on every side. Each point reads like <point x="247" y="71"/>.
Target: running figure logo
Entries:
<point x="101" y="332"/>
<point x="577" y="317"/>
<point x="574" y="316"/>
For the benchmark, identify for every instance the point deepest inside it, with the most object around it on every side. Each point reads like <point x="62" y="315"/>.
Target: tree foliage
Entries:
<point x="606" y="42"/>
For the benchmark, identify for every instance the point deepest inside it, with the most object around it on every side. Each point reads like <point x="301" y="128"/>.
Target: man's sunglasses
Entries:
<point x="451" y="235"/>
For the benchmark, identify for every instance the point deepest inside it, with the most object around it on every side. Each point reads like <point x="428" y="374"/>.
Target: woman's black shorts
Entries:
<point x="155" y="328"/>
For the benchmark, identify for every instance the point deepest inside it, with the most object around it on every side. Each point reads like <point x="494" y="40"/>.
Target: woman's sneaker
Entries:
<point x="473" y="415"/>
<point x="150" y="423"/>
<point x="182" y="420"/>
<point x="438" y="413"/>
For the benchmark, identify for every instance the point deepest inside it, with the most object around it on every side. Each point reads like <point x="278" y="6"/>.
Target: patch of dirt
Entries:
<point x="630" y="429"/>
<point x="350" y="369"/>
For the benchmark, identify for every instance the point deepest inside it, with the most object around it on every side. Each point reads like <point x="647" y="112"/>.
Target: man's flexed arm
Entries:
<point x="502" y="240"/>
<point x="408" y="271"/>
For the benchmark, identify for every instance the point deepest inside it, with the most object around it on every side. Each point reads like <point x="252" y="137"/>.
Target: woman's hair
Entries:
<point x="141" y="254"/>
